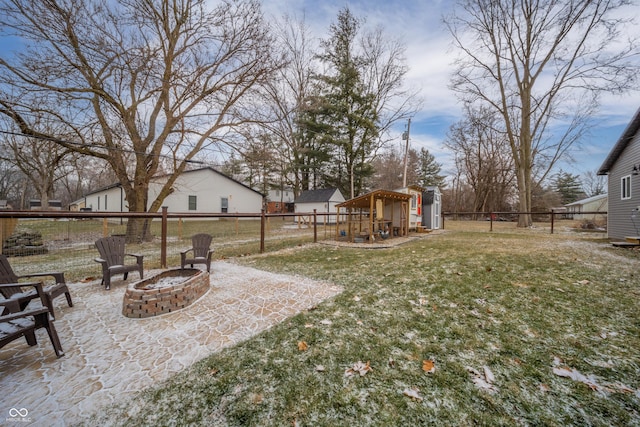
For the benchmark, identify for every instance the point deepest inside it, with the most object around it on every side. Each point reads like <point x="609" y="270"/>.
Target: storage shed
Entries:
<point x="365" y="217"/>
<point x="322" y="200"/>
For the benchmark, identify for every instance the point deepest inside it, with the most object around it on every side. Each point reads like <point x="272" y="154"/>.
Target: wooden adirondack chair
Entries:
<point x="8" y="276"/>
<point x="112" y="259"/>
<point x="200" y="252"/>
<point x="17" y="323"/>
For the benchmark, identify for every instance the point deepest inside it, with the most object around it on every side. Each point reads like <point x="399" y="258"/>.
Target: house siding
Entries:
<point x="619" y="216"/>
<point x="208" y="185"/>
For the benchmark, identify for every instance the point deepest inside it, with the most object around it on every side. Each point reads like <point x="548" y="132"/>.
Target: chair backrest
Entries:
<point x="7" y="276"/>
<point x="111" y="249"/>
<point x="6" y="272"/>
<point x="201" y="244"/>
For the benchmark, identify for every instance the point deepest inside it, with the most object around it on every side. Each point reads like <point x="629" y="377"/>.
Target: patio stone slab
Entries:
<point x="109" y="357"/>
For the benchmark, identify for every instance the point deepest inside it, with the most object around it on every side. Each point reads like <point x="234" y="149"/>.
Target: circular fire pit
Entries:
<point x="164" y="292"/>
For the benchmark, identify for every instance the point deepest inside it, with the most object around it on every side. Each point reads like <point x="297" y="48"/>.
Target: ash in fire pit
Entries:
<point x="165" y="292"/>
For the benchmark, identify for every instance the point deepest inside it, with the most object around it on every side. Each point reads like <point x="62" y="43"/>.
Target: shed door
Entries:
<point x="436" y="211"/>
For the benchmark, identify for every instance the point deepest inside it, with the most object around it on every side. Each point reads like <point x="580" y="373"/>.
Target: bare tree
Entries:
<point x="142" y="84"/>
<point x="594" y="184"/>
<point x="287" y="97"/>
<point x="43" y="163"/>
<point x="482" y="159"/>
<point x="541" y="64"/>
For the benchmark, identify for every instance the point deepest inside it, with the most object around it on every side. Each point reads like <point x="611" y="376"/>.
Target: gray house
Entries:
<point x="622" y="166"/>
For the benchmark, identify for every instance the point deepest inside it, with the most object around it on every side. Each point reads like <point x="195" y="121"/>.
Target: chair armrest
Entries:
<point x="138" y="257"/>
<point x="186" y="251"/>
<point x="58" y="276"/>
<point x="20" y="314"/>
<point x="37" y="285"/>
<point x="100" y="260"/>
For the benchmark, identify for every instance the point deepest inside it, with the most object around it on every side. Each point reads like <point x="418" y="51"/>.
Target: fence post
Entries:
<point x="105" y="227"/>
<point x="262" y="221"/>
<point x="163" y="240"/>
<point x="315" y="226"/>
<point x="552" y="218"/>
<point x="490" y="221"/>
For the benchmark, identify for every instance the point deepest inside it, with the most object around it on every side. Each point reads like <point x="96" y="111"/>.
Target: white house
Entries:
<point x="622" y="166"/>
<point x="323" y="201"/>
<point x="591" y="204"/>
<point x="196" y="191"/>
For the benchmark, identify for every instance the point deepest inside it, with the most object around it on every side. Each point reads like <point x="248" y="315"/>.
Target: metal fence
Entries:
<point x="63" y="240"/>
<point x="588" y="220"/>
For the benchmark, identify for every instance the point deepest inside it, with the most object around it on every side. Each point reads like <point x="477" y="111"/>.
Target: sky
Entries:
<point x="429" y="52"/>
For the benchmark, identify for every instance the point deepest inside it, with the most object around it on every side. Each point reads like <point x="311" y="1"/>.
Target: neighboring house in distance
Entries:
<point x="323" y="201"/>
<point x="280" y="200"/>
<point x="202" y="190"/>
<point x="591" y="204"/>
<point x="36" y="205"/>
<point x="622" y="166"/>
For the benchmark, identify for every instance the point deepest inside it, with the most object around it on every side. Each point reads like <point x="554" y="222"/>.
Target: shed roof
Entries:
<point x="315" y="196"/>
<point x="364" y="201"/>
<point x="623" y="141"/>
<point x="588" y="200"/>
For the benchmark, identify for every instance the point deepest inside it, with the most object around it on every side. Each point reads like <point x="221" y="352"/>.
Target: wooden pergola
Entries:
<point x="373" y="212"/>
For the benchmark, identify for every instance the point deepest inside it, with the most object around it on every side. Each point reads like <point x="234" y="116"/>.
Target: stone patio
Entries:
<point x="109" y="357"/>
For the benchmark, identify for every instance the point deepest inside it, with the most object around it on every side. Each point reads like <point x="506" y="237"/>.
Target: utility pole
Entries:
<point x="405" y="136"/>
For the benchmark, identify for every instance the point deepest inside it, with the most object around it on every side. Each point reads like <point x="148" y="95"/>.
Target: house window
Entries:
<point x="193" y="203"/>
<point x="414" y="201"/>
<point x="626" y="187"/>
<point x="105" y="202"/>
<point x="224" y="205"/>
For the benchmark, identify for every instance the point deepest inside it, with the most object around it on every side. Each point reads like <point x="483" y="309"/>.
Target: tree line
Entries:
<point x="128" y="90"/>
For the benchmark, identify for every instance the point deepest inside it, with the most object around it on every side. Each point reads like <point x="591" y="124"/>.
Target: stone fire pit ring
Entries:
<point x="164" y="292"/>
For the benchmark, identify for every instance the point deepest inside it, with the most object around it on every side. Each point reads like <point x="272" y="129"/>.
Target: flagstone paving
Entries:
<point x="109" y="357"/>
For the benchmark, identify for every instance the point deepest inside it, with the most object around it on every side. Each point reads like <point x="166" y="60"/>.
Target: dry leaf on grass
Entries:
<point x="428" y="366"/>
<point x="358" y="368"/>
<point x="325" y="322"/>
<point x="302" y="346"/>
<point x="484" y="381"/>
<point x="320" y="368"/>
<point x="582" y="282"/>
<point x="413" y="393"/>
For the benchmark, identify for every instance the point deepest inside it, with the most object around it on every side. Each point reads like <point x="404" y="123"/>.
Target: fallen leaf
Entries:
<point x="308" y="325"/>
<point x="302" y="346"/>
<point x="582" y="282"/>
<point x="325" y="322"/>
<point x="428" y="366"/>
<point x="356" y="298"/>
<point x="488" y="375"/>
<point x="320" y="368"/>
<point x="392" y="363"/>
<point x="413" y="393"/>
<point x="358" y="368"/>
<point x="483" y="381"/>
<point x="88" y="279"/>
<point x="213" y="371"/>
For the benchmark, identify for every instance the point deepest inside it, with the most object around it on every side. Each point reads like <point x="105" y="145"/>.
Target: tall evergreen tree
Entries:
<point x="568" y="186"/>
<point x="347" y="107"/>
<point x="429" y="170"/>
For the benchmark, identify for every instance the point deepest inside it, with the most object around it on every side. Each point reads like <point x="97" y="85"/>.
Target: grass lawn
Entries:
<point x="521" y="328"/>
